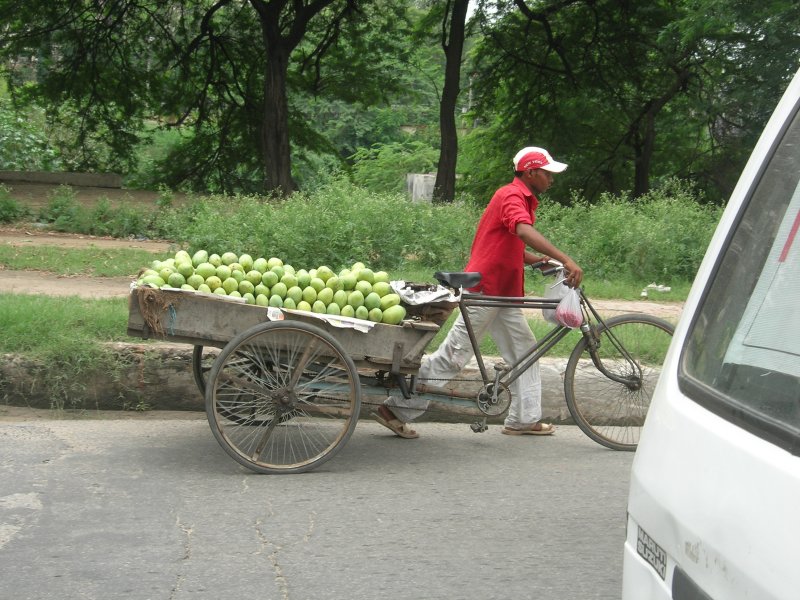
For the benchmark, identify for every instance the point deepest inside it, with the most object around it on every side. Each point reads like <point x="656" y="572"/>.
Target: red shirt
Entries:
<point x="498" y="254"/>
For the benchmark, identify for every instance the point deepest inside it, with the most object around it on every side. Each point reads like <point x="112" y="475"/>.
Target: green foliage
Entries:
<point x="10" y="209"/>
<point x="660" y="237"/>
<point x="484" y="162"/>
<point x="342" y="224"/>
<point x="629" y="93"/>
<point x="23" y="145"/>
<point x="61" y="209"/>
<point x="685" y="88"/>
<point x="157" y="144"/>
<point x="120" y="221"/>
<point x="64" y="213"/>
<point x="383" y="167"/>
<point x="65" y="338"/>
<point x="232" y="84"/>
<point x="336" y="225"/>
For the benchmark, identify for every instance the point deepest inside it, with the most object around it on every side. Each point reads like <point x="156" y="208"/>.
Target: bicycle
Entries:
<point x="610" y="374"/>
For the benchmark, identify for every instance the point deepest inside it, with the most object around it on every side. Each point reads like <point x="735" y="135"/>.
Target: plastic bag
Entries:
<point x="554" y="292"/>
<point x="569" y="312"/>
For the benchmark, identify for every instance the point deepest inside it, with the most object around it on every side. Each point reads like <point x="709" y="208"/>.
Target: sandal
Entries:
<point x="544" y="429"/>
<point x="395" y="425"/>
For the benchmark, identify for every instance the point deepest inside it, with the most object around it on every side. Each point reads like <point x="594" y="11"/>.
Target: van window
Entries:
<point x="742" y="354"/>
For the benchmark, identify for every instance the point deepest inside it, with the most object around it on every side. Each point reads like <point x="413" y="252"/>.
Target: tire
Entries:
<point x="611" y="412"/>
<point x="283" y="397"/>
<point x="201" y="366"/>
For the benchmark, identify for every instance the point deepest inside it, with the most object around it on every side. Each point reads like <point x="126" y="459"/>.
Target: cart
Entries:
<point x="283" y="393"/>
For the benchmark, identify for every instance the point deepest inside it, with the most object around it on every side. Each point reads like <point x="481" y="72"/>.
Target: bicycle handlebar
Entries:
<point x="557" y="266"/>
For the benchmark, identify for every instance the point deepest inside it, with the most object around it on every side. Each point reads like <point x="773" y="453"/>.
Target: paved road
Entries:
<point x="152" y="508"/>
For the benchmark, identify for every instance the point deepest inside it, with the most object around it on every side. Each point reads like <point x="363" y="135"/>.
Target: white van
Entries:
<point x="714" y="502"/>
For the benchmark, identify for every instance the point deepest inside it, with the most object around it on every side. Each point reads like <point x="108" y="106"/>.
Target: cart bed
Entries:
<point x="209" y="320"/>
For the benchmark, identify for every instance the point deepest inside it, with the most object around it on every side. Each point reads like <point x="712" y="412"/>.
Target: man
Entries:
<point x="499" y="253"/>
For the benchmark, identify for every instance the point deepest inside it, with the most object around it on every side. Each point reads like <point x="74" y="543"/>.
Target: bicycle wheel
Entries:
<point x="609" y="401"/>
<point x="283" y="397"/>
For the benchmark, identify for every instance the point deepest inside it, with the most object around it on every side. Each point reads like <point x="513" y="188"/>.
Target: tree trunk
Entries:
<point x="280" y="37"/>
<point x="644" y="156"/>
<point x="275" y="147"/>
<point x="646" y="144"/>
<point x="444" y="190"/>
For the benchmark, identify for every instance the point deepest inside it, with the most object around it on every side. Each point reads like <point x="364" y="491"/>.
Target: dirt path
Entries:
<point x="38" y="283"/>
<point x="31" y="237"/>
<point x="33" y="282"/>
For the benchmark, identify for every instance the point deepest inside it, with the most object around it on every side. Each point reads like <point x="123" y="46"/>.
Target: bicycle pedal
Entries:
<point x="479" y="427"/>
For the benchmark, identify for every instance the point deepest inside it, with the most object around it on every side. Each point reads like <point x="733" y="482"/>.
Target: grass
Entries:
<point x="91" y="261"/>
<point x="54" y="329"/>
<point x="64" y="337"/>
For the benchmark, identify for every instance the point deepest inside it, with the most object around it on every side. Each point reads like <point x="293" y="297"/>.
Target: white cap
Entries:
<point x="532" y="157"/>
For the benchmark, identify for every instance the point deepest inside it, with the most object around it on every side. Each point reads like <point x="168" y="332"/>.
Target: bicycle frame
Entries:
<point x="511" y="372"/>
<point x="508" y="374"/>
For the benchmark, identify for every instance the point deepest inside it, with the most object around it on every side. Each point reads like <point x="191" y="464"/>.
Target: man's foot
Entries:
<point x="534" y="429"/>
<point x="386" y="417"/>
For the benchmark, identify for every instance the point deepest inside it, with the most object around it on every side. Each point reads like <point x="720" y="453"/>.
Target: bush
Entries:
<point x="341" y="224"/>
<point x="62" y="209"/>
<point x="383" y="167"/>
<point x="10" y="209"/>
<point x="336" y="225"/>
<point x="661" y="236"/>
<point x="23" y="146"/>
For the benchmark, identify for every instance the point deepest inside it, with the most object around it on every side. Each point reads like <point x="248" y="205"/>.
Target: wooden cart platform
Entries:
<point x="210" y="320"/>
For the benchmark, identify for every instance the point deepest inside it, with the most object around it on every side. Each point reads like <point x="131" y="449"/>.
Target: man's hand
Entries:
<point x="538" y="242"/>
<point x="574" y="274"/>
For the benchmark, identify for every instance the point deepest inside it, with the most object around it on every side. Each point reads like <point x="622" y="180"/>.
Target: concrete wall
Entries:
<point x="420" y="186"/>
<point x="104" y="180"/>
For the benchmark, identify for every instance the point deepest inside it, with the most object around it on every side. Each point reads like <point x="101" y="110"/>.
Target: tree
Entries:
<point x="219" y="66"/>
<point x="452" y="40"/>
<point x="628" y="91"/>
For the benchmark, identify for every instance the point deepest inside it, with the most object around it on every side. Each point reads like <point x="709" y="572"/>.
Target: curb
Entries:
<point x="159" y="377"/>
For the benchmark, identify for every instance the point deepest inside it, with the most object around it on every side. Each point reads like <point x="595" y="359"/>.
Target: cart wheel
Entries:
<point x="201" y="365"/>
<point x="283" y="397"/>
<point x="202" y="361"/>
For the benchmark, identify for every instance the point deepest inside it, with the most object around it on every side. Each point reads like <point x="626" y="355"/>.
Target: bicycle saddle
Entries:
<point x="458" y="280"/>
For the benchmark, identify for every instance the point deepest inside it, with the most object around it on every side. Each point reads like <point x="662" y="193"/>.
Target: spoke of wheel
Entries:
<point x="284" y="397"/>
<point x="301" y="365"/>
<point x="260" y="447"/>
<point x="613" y="412"/>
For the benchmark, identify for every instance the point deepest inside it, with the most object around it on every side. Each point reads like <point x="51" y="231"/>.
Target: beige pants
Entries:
<point x="510" y="331"/>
